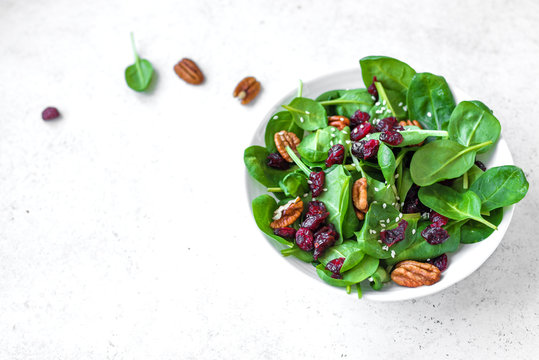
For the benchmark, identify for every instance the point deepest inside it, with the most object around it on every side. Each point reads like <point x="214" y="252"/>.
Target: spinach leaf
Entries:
<point x="348" y="250"/>
<point x="412" y="135"/>
<point x="330" y="95"/>
<point x="278" y="122"/>
<point x="307" y="113"/>
<point x="422" y="250"/>
<point x="298" y="253"/>
<point x="254" y="158"/>
<point x="352" y="100"/>
<point x="472" y="123"/>
<point x="337" y="197"/>
<point x="377" y="191"/>
<point x="350" y="222"/>
<point x="430" y="101"/>
<point x="500" y="186"/>
<point x="314" y="148"/>
<point x="442" y="159"/>
<point x="263" y="208"/>
<point x="473" y="231"/>
<point x="386" y="160"/>
<point x="294" y="184"/>
<point x="404" y="182"/>
<point x="452" y="204"/>
<point x="383" y="107"/>
<point x="393" y="74"/>
<point x="139" y="75"/>
<point x="358" y="273"/>
<point x="379" y="277"/>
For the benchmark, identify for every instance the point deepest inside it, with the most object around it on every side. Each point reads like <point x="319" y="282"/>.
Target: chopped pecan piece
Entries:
<point x="282" y="140"/>
<point x="189" y="71"/>
<point x="411" y="273"/>
<point x="410" y="123"/>
<point x="286" y="215"/>
<point x="247" y="90"/>
<point x="340" y="122"/>
<point x="359" y="198"/>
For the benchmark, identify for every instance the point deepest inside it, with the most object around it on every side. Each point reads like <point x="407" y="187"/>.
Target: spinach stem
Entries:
<point x="339" y="101"/>
<point x="290" y="108"/>
<point x="400" y="157"/>
<point x="465" y="181"/>
<point x="348" y="289"/>
<point x="300" y="88"/>
<point x="275" y="189"/>
<point x="359" y="292"/>
<point x="383" y="96"/>
<point x="490" y="225"/>
<point x="298" y="162"/>
<point x="350" y="167"/>
<point x="137" y="59"/>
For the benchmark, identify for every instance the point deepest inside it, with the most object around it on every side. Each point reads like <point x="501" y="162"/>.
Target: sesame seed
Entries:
<point x="307" y="112"/>
<point x="392" y="204"/>
<point x="400" y="104"/>
<point x="301" y="119"/>
<point x="387" y="221"/>
<point x="383" y="102"/>
<point x="383" y="225"/>
<point x="348" y="142"/>
<point x="374" y="202"/>
<point x="377" y="103"/>
<point x="405" y="108"/>
<point x="306" y="194"/>
<point x="309" y="182"/>
<point x="384" y="205"/>
<point x="428" y="259"/>
<point x="332" y="135"/>
<point x="380" y="241"/>
<point x="331" y="143"/>
<point x="325" y="189"/>
<point x="371" y="279"/>
<point x="374" y="231"/>
<point x="398" y="198"/>
<point x="372" y="97"/>
<point x="396" y="176"/>
<point x="429" y="114"/>
<point x="385" y="247"/>
<point x="413" y="231"/>
<point x="344" y="132"/>
<point x="392" y="253"/>
<point x="401" y="215"/>
<point x="275" y="117"/>
<point x="397" y="219"/>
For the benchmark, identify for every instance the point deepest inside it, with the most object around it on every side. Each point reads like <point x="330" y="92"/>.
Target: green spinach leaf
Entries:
<point x="379" y="277"/>
<point x="307" y="113"/>
<point x="358" y="273"/>
<point x="386" y="160"/>
<point x="294" y="184"/>
<point x="473" y="231"/>
<point x="314" y="148"/>
<point x="263" y="207"/>
<point x="139" y="75"/>
<point x="348" y="250"/>
<point x="254" y="158"/>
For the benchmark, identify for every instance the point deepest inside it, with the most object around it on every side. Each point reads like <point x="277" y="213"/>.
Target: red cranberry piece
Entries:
<point x="50" y="113"/>
<point x="437" y="220"/>
<point x="372" y="89"/>
<point x="335" y="265"/>
<point x="360" y="131"/>
<point x="440" y="262"/>
<point x="285" y="232"/>
<point x="480" y="165"/>
<point x="435" y="235"/>
<point x="365" y="149"/>
<point x="386" y="124"/>
<point x="412" y="204"/>
<point x="316" y="182"/>
<point x="390" y="237"/>
<point x="316" y="207"/>
<point x="322" y="241"/>
<point x="330" y="229"/>
<point x="305" y="239"/>
<point x="391" y="137"/>
<point x="359" y="118"/>
<point x="335" y="155"/>
<point x="276" y="161"/>
<point x="313" y="222"/>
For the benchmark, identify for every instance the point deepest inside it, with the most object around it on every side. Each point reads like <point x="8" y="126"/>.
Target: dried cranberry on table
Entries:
<point x="335" y="266"/>
<point x="50" y="113"/>
<point x="390" y="237"/>
<point x="440" y="262"/>
<point x="276" y="161"/>
<point x="480" y="165"/>
<point x="437" y="220"/>
<point x="285" y="232"/>
<point x="365" y="149"/>
<point x="359" y="118"/>
<point x="335" y="155"/>
<point x="316" y="182"/>
<point x="391" y="137"/>
<point x="360" y="131"/>
<point x="372" y="88"/>
<point x="305" y="239"/>
<point x="435" y="235"/>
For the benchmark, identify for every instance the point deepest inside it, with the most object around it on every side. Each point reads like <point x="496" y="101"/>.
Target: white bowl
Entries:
<point x="462" y="263"/>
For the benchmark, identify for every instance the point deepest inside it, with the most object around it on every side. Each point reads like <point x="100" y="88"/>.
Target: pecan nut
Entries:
<point x="189" y="72"/>
<point x="287" y="214"/>
<point x="359" y="198"/>
<point x="282" y="140"/>
<point x="247" y="90"/>
<point x="411" y="273"/>
<point x="340" y="122"/>
<point x="410" y="123"/>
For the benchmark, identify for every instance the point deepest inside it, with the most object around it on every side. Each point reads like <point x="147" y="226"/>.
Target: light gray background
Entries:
<point x="124" y="228"/>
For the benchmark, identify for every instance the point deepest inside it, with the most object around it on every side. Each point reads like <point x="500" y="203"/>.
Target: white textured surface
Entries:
<point x="114" y="245"/>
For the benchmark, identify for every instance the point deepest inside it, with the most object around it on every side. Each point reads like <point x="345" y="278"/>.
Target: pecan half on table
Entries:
<point x="247" y="90"/>
<point x="411" y="273"/>
<point x="189" y="72"/>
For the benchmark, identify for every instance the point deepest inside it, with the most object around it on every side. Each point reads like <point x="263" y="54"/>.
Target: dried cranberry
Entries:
<point x="316" y="182"/>
<point x="313" y="222"/>
<point x="365" y="149"/>
<point x="480" y="165"/>
<point x="372" y="88"/>
<point x="316" y="207"/>
<point x="360" y="131"/>
<point x="285" y="232"/>
<point x="437" y="220"/>
<point x="390" y="237"/>
<point x="50" y="113"/>
<point x="359" y="118"/>
<point x="391" y="137"/>
<point x="305" y="239"/>
<point x="412" y="204"/>
<point x="386" y="124"/>
<point x="335" y="155"/>
<point x="330" y="229"/>
<point x="440" y="262"/>
<point x="335" y="265"/>
<point x="322" y="241"/>
<point x="434" y="235"/>
<point x="276" y="161"/>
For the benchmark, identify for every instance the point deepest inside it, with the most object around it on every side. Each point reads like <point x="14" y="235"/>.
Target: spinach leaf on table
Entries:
<point x="280" y="121"/>
<point x="420" y="249"/>
<point x="307" y="113"/>
<point x="394" y="75"/>
<point x="472" y="123"/>
<point x="139" y="75"/>
<point x="442" y="159"/>
<point x="348" y="250"/>
<point x="430" y="101"/>
<point x="294" y="184"/>
<point x="358" y="273"/>
<point x="473" y="231"/>
<point x="500" y="186"/>
<point x="452" y="204"/>
<point x="254" y="158"/>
